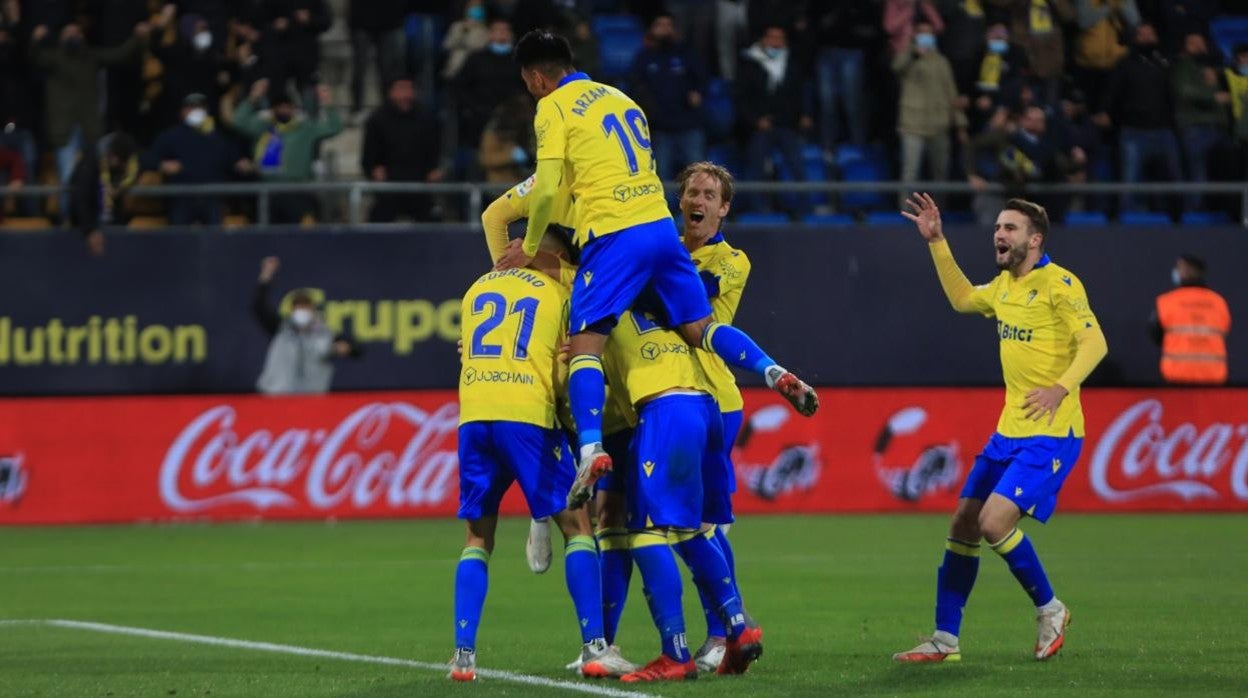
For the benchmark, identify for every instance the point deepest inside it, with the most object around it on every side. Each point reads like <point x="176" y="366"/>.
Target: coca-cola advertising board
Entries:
<point x="372" y="455"/>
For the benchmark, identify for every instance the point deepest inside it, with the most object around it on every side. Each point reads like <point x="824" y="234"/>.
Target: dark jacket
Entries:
<point x="849" y="24"/>
<point x="485" y="81"/>
<point x="206" y="157"/>
<point x="405" y="143"/>
<point x="114" y="20"/>
<point x="1196" y="103"/>
<point x="189" y="71"/>
<point x="72" y="86"/>
<point x="786" y="103"/>
<point x="1139" y="94"/>
<point x="661" y="80"/>
<point x="298" y="46"/>
<point x="15" y="90"/>
<point x="378" y="15"/>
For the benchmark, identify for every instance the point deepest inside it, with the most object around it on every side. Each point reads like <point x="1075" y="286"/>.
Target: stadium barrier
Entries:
<point x="390" y="455"/>
<point x="171" y="312"/>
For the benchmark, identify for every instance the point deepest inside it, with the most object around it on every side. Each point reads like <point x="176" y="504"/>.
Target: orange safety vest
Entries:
<point x="1195" y="321"/>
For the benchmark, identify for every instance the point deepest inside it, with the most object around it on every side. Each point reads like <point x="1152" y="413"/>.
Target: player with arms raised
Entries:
<point x="597" y="139"/>
<point x="1050" y="342"/>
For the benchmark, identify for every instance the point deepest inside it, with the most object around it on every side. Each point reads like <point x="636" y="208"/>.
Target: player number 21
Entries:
<point x="525" y="307"/>
<point x="611" y="125"/>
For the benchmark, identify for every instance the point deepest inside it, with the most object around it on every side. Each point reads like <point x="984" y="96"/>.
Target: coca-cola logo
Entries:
<point x="391" y="453"/>
<point x="1139" y="457"/>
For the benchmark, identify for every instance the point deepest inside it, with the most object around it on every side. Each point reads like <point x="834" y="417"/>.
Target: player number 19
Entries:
<point x="612" y="125"/>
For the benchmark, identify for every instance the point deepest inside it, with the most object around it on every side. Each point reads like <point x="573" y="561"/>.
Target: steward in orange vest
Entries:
<point x="1191" y="323"/>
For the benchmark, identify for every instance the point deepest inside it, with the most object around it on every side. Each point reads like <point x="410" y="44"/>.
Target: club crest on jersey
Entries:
<point x="1032" y="296"/>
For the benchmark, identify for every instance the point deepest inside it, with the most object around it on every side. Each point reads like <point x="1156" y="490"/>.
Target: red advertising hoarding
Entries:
<point x="372" y="455"/>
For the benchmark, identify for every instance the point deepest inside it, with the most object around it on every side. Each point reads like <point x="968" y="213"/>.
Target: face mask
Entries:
<point x="202" y="41"/>
<point x="1243" y="70"/>
<point x="500" y="49"/>
<point x="1175" y="278"/>
<point x="926" y="42"/>
<point x="477" y="13"/>
<point x="196" y="117"/>
<point x="72" y="46"/>
<point x="998" y="45"/>
<point x="301" y="317"/>
<point x="773" y="52"/>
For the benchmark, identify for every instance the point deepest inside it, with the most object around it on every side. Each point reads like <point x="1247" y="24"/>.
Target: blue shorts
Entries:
<point x="618" y="445"/>
<point x="679" y="440"/>
<point x="1027" y="471"/>
<point x="732" y="429"/>
<point x="494" y="454"/>
<point x="616" y="267"/>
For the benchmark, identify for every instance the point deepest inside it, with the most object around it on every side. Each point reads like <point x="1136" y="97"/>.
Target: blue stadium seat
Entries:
<point x="1226" y="32"/>
<point x="762" y="219"/>
<point x="862" y="164"/>
<point x="618" y="23"/>
<point x="718" y="109"/>
<point x="725" y="154"/>
<point x="1086" y="218"/>
<point x="886" y="218"/>
<point x="1205" y="218"/>
<point x="619" y="40"/>
<point x="832" y="220"/>
<point x="958" y="217"/>
<point x="1144" y="218"/>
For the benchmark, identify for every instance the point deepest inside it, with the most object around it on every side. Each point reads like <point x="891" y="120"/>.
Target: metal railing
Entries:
<point x="474" y="194"/>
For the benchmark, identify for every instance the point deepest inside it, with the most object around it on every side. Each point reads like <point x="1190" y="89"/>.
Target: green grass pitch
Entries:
<point x="1159" y="604"/>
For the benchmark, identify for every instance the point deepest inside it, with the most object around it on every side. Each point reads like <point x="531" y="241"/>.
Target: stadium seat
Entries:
<point x="1227" y="31"/>
<point x="1205" y="218"/>
<point x="834" y="220"/>
<point x="762" y="219"/>
<point x="725" y="154"/>
<point x="862" y="164"/>
<point x="1086" y="218"/>
<point x="23" y="224"/>
<point x="619" y="40"/>
<point x="1144" y="218"/>
<point x="719" y="109"/>
<point x="148" y="223"/>
<point x="958" y="217"/>
<point x="886" y="218"/>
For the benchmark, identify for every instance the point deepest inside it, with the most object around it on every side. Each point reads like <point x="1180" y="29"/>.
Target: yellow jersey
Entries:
<point x="1037" y="317"/>
<point x="644" y="359"/>
<point x="724" y="270"/>
<point x="603" y="139"/>
<point x="513" y="323"/>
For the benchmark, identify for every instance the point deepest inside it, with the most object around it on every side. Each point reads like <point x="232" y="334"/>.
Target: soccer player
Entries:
<point x="513" y="325"/>
<point x="1050" y="342"/>
<point x="705" y="198"/>
<point x="678" y="441"/>
<point x="597" y="138"/>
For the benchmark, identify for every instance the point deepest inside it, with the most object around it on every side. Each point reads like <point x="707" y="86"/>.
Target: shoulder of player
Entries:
<point x="523" y="278"/>
<point x="1062" y="281"/>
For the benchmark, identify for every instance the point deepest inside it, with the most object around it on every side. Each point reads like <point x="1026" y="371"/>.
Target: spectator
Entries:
<point x="507" y="146"/>
<point x="1237" y="82"/>
<point x="12" y="173"/>
<point x="730" y="30"/>
<point x="1073" y="128"/>
<point x="301" y="348"/>
<point x="466" y="35"/>
<point x="17" y="114"/>
<point x="377" y="27"/>
<point x="1036" y="27"/>
<point x="286" y="144"/>
<point x="585" y="50"/>
<point x="1016" y="155"/>
<point x="290" y="43"/>
<point x="1199" y="111"/>
<point x="487" y="79"/>
<point x="963" y="40"/>
<point x="668" y="82"/>
<point x="773" y="105"/>
<point x="401" y="144"/>
<point x="928" y="106"/>
<point x="1141" y="105"/>
<point x="901" y="18"/>
<point x="845" y="32"/>
<point x="99" y="194"/>
<point x="1103" y="24"/>
<point x="218" y="13"/>
<point x="999" y="74"/>
<point x="73" y="120"/>
<point x="193" y="64"/>
<point x="194" y="152"/>
<point x="1190" y="323"/>
<point x="112" y="24"/>
<point x="1178" y="18"/>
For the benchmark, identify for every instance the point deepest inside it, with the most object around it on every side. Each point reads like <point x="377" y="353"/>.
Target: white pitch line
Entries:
<point x="324" y="654"/>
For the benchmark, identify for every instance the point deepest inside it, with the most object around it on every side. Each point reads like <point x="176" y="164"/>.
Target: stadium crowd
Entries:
<point x="100" y="94"/>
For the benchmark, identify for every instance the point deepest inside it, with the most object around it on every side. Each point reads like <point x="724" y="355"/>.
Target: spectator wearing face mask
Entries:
<point x="488" y="78"/>
<point x="1190" y="323"/>
<point x="928" y="108"/>
<point x="99" y="190"/>
<point x="901" y="19"/>
<point x="466" y="35"/>
<point x="301" y="348"/>
<point x="285" y="144"/>
<point x="194" y="152"/>
<point x="667" y="81"/>
<point x="1199" y="110"/>
<point x="998" y="74"/>
<point x="193" y="63"/>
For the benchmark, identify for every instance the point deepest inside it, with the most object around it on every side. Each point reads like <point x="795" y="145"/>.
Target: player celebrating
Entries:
<point x="1050" y="342"/>
<point x="513" y="325"/>
<point x="597" y="138"/>
<point x="705" y="198"/>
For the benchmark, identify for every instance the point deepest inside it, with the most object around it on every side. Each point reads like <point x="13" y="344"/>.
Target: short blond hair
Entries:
<point x="719" y="172"/>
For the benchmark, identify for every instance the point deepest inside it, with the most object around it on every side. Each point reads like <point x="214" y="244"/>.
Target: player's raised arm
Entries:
<point x="494" y="221"/>
<point x="963" y="296"/>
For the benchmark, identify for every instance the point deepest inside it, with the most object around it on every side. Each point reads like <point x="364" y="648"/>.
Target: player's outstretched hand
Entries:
<point x="1042" y="401"/>
<point x="926" y="216"/>
<point x="514" y="257"/>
